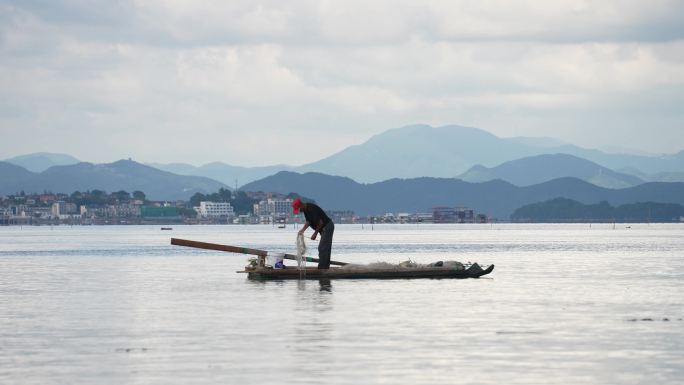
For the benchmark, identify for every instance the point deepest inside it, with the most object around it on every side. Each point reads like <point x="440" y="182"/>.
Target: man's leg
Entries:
<point x="325" y="246"/>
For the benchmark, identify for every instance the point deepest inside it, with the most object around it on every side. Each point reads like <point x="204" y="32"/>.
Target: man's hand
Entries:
<point x="313" y="237"/>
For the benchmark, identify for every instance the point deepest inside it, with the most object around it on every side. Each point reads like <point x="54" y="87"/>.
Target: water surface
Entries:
<point x="566" y="304"/>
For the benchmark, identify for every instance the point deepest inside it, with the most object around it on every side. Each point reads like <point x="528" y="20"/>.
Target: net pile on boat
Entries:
<point x="406" y="265"/>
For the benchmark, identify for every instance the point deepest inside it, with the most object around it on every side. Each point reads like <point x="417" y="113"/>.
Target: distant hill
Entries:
<point x="542" y="168"/>
<point x="11" y="174"/>
<point x="41" y="161"/>
<point x="419" y="150"/>
<point x="222" y="172"/>
<point x="568" y="210"/>
<point x="666" y="177"/>
<point x="537" y="142"/>
<point x="647" y="164"/>
<point x="422" y="150"/>
<point x="121" y="175"/>
<point x="497" y="197"/>
<point x="175" y="168"/>
<point x="657" y="177"/>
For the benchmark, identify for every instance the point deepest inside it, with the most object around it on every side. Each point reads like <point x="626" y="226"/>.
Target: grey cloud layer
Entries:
<point x="249" y="75"/>
<point x="354" y="22"/>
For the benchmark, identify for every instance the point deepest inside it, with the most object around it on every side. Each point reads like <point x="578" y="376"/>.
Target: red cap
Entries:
<point x="296" y="205"/>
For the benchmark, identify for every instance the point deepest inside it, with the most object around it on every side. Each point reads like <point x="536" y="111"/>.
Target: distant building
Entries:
<point x="443" y="214"/>
<point x="465" y="215"/>
<point x="18" y="210"/>
<point x="387" y="218"/>
<point x="246" y="219"/>
<point x="273" y="209"/>
<point x="215" y="210"/>
<point x="64" y="209"/>
<point x="342" y="216"/>
<point x="125" y="210"/>
<point x="403" y="217"/>
<point x="94" y="211"/>
<point x="453" y="215"/>
<point x="41" y="212"/>
<point x="422" y="218"/>
<point x="159" y="212"/>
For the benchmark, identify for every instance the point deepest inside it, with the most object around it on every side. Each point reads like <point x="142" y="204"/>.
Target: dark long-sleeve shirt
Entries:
<point x="314" y="214"/>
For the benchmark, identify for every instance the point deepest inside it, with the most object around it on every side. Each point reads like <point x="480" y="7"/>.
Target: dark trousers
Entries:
<point x="325" y="245"/>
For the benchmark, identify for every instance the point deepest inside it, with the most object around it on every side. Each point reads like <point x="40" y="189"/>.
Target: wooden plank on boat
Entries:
<point x="240" y="250"/>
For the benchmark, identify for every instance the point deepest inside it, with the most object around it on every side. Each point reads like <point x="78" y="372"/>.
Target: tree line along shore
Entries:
<point x="122" y="207"/>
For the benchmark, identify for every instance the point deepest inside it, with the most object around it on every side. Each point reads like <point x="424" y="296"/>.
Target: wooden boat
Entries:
<point x="266" y="273"/>
<point x="262" y="272"/>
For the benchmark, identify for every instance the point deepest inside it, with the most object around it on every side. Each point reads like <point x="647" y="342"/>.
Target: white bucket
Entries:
<point x="275" y="260"/>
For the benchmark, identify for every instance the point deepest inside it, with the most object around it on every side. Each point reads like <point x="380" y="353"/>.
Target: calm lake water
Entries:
<point x="566" y="304"/>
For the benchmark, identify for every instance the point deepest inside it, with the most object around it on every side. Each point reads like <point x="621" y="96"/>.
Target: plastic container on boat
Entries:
<point x="275" y="260"/>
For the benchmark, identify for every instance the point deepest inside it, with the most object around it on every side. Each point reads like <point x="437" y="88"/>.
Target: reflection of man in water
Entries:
<point x="325" y="284"/>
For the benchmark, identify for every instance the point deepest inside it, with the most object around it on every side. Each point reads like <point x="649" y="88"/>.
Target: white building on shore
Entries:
<point x="271" y="210"/>
<point x="215" y="210"/>
<point x="64" y="210"/>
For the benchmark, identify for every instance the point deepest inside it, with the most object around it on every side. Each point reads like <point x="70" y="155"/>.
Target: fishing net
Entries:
<point x="301" y="250"/>
<point x="401" y="266"/>
<point x="406" y="265"/>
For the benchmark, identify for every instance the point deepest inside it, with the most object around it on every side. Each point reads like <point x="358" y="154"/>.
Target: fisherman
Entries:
<point x="320" y="222"/>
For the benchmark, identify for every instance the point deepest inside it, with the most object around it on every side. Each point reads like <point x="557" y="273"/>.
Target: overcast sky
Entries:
<point x="264" y="82"/>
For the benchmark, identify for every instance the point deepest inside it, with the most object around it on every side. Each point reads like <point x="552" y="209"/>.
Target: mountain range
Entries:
<point x="447" y="152"/>
<point x="222" y="172"/>
<point x="541" y="168"/>
<point x="121" y="175"/>
<point x="418" y="154"/>
<point x="497" y="198"/>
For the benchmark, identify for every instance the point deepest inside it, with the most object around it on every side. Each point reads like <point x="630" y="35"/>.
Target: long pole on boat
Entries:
<point x="239" y="250"/>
